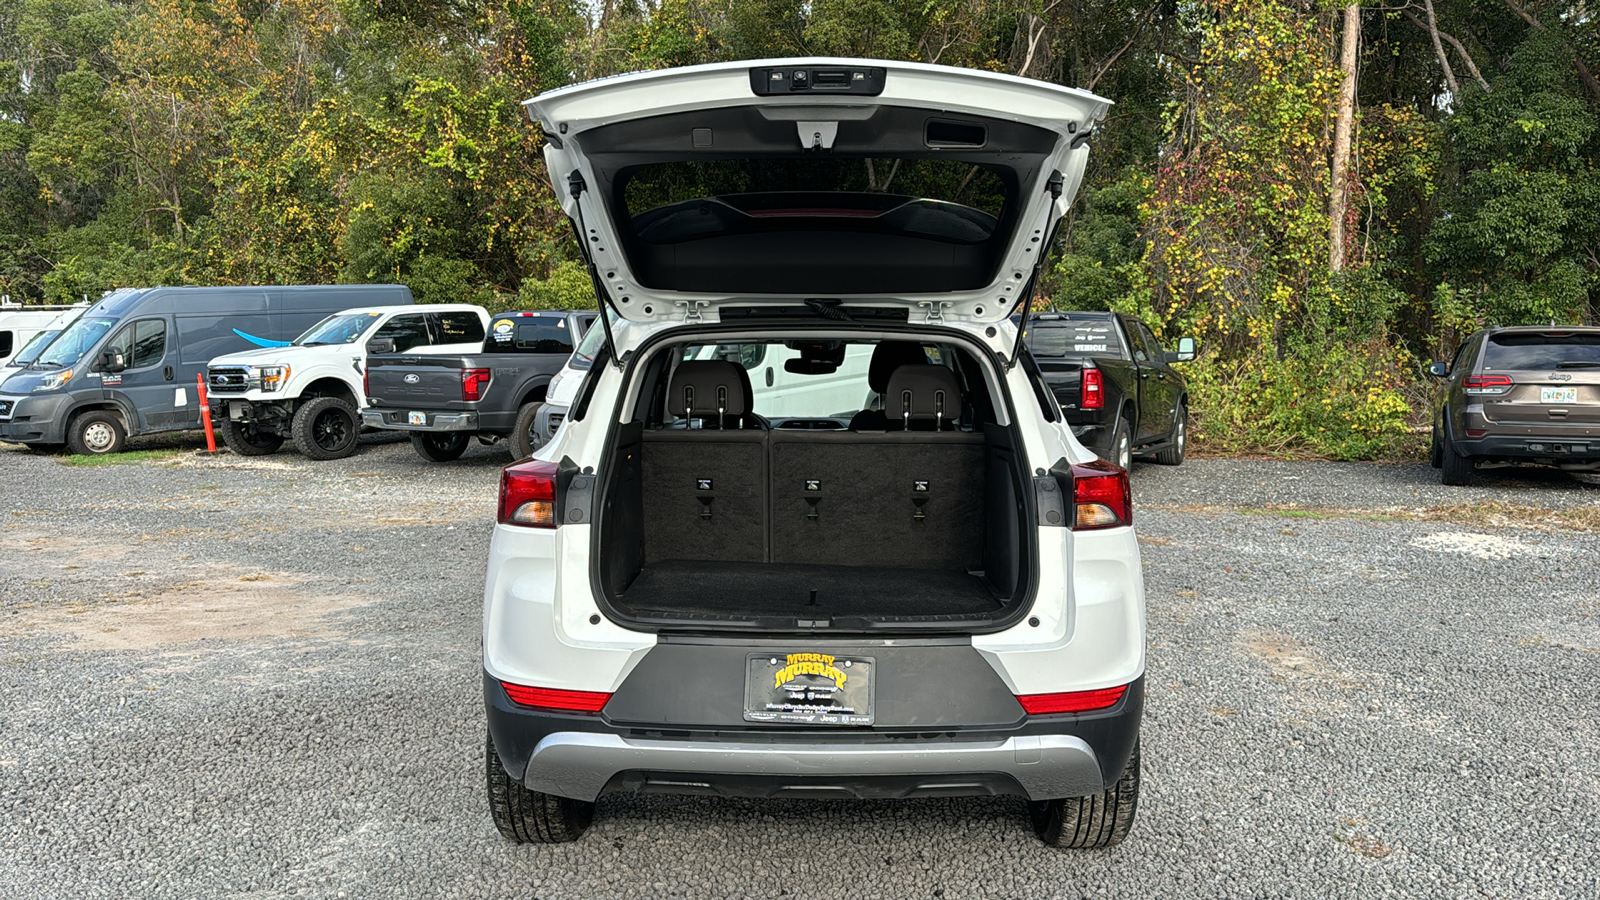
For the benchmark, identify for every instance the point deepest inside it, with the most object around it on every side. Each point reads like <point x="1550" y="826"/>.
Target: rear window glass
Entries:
<point x="1542" y="351"/>
<point x="458" y="327"/>
<point x="1058" y="338"/>
<point x="939" y="198"/>
<point x="530" y="334"/>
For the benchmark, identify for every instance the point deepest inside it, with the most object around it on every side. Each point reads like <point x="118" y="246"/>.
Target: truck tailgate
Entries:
<point x="1064" y="377"/>
<point x="418" y="382"/>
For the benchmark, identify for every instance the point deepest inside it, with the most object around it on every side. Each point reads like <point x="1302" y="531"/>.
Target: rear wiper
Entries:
<point x="1578" y="364"/>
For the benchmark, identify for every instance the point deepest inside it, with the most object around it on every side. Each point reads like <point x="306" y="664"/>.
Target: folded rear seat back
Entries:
<point x="705" y="488"/>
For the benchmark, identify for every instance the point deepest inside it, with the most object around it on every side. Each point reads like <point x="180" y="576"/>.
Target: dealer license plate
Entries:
<point x="1558" y="395"/>
<point x="808" y="689"/>
<point x="416" y="418"/>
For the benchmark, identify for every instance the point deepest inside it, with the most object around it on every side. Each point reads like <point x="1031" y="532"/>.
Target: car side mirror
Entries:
<point x="1185" y="352"/>
<point x="380" y="345"/>
<point x="1438" y="369"/>
<point x="113" y="361"/>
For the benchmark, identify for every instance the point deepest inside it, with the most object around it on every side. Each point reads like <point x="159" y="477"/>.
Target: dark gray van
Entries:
<point x="127" y="366"/>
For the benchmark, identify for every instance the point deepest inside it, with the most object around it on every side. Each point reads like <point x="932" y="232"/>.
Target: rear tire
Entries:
<point x="1121" y="448"/>
<point x="1458" y="470"/>
<point x="524" y="440"/>
<point x="326" y="428"/>
<point x="1093" y="822"/>
<point x="96" y="433"/>
<point x="247" y="440"/>
<point x="440" y="446"/>
<point x="1172" y="454"/>
<point x="530" y="817"/>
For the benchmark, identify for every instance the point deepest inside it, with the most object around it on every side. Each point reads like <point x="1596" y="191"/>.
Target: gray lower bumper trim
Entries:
<point x="396" y="421"/>
<point x="579" y="765"/>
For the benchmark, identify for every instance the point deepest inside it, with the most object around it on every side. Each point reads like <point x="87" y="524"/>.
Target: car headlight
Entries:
<point x="53" y="380"/>
<point x="550" y="389"/>
<point x="273" y="378"/>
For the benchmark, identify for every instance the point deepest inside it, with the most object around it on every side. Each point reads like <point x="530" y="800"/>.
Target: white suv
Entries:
<point x="903" y="579"/>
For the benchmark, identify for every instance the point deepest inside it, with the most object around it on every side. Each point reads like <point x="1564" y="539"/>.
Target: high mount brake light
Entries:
<point x="473" y="383"/>
<point x="1092" y="389"/>
<point x="557" y="700"/>
<point x="528" y="494"/>
<point x="1486" y="384"/>
<point x="1071" y="701"/>
<point x="1100" y="490"/>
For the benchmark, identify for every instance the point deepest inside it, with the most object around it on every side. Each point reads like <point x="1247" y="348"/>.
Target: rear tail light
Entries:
<point x="473" y="383"/>
<point x="1071" y="701"/>
<point x="1100" y="489"/>
<point x="1093" y="390"/>
<point x="528" y="494"/>
<point x="366" y="383"/>
<point x="1487" y="384"/>
<point x="556" y="700"/>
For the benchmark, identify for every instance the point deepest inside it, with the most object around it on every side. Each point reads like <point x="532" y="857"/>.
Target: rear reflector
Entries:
<point x="528" y="494"/>
<point x="552" y="699"/>
<point x="1071" y="701"/>
<point x="1092" y="389"/>
<point x="473" y="383"/>
<point x="1100" y="489"/>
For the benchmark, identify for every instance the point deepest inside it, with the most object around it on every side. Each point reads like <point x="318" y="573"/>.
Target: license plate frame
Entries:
<point x="818" y="689"/>
<point x="416" y="418"/>
<point x="1558" y="395"/>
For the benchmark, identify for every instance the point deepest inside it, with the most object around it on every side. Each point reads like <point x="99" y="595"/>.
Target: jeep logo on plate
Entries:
<point x="1560" y="376"/>
<point x="412" y="379"/>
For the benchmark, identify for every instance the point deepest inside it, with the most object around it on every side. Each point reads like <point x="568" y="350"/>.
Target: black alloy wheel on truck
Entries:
<point x="440" y="447"/>
<point x="246" y="439"/>
<point x="326" y="428"/>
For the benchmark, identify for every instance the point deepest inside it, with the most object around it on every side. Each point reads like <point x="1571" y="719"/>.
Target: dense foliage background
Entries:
<point x="291" y="141"/>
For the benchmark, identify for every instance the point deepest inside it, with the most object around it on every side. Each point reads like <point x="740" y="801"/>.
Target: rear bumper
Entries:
<point x="1042" y="757"/>
<point x="399" y="420"/>
<point x="1554" y="448"/>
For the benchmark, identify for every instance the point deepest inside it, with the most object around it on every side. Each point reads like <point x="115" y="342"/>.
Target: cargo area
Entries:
<point x="906" y="514"/>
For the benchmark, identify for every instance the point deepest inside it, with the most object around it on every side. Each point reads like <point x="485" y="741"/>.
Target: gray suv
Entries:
<point x="1519" y="395"/>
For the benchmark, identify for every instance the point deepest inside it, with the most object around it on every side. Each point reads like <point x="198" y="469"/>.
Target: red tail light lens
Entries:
<point x="556" y="700"/>
<point x="1093" y="390"/>
<point x="1071" y="701"/>
<point x="366" y="382"/>
<point x="1100" y="489"/>
<point x="528" y="494"/>
<point x="1486" y="384"/>
<point x="473" y="383"/>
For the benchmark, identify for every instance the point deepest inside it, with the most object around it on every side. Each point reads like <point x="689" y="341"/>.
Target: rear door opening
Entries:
<point x="814" y="482"/>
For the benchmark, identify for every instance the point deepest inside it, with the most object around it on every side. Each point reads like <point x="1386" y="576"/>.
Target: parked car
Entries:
<point x="1519" y="395"/>
<point x="563" y="388"/>
<point x="494" y="394"/>
<point x="832" y="584"/>
<point x="1115" y="383"/>
<point x="128" y="365"/>
<point x="28" y="338"/>
<point x="311" y="390"/>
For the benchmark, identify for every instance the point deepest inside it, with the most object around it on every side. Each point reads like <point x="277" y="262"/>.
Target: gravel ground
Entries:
<point x="222" y="676"/>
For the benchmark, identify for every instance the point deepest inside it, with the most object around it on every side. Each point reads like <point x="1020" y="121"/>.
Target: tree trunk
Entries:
<point x="1438" y="49"/>
<point x="1338" y="200"/>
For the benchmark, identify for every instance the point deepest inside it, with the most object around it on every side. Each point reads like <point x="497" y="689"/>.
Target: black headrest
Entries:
<point x="925" y="392"/>
<point x="891" y="355"/>
<point x="702" y="388"/>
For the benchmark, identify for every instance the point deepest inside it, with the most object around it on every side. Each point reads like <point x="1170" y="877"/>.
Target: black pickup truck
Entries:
<point x="1114" y="383"/>
<point x="495" y="395"/>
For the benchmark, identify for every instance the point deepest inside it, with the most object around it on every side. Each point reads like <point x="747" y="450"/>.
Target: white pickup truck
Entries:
<point x="312" y="389"/>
